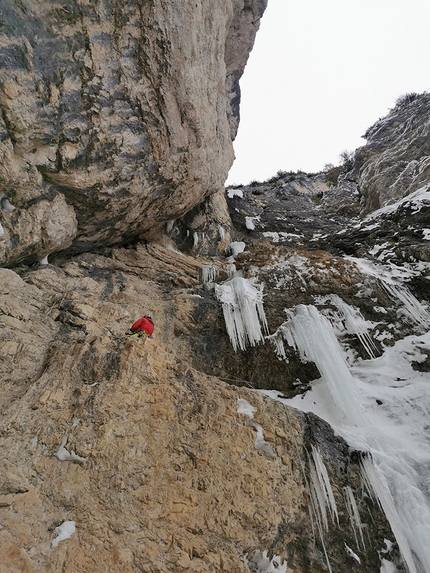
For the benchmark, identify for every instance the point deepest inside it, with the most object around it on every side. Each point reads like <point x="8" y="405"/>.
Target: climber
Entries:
<point x="142" y="327"/>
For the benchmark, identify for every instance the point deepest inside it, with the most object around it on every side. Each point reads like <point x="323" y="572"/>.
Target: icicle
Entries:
<point x="231" y="270"/>
<point x="353" y="322"/>
<point x="169" y="226"/>
<point x="319" y="495"/>
<point x="321" y="483"/>
<point x="312" y="335"/>
<point x="242" y="302"/>
<point x="351" y="553"/>
<point x="382" y="491"/>
<point x="221" y="232"/>
<point x="209" y="273"/>
<point x="414" y="309"/>
<point x="195" y="239"/>
<point x="1" y="230"/>
<point x="354" y="516"/>
<point x="44" y="261"/>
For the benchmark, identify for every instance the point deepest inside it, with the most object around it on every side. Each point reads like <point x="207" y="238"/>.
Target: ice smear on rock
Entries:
<point x="242" y="304"/>
<point x="351" y="553"/>
<point x="392" y="279"/>
<point x="312" y="335"/>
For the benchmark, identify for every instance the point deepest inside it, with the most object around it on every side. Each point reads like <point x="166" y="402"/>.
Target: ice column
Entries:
<point x="312" y="335"/>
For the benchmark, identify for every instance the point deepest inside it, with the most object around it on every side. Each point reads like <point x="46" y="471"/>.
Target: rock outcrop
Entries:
<point x="394" y="162"/>
<point x="115" y="117"/>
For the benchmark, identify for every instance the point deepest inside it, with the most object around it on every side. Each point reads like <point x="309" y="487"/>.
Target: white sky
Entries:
<point x="322" y="72"/>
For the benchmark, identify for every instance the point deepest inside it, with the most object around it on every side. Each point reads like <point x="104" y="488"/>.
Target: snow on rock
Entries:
<point x="242" y="303"/>
<point x="63" y="531"/>
<point x="261" y="444"/>
<point x="244" y="407"/>
<point x="64" y="456"/>
<point x="388" y="567"/>
<point x="250" y="222"/>
<point x="260" y="563"/>
<point x="237" y="247"/>
<point x="232" y="192"/>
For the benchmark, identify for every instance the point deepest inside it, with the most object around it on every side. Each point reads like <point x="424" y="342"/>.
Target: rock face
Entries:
<point x="179" y="452"/>
<point x="147" y="454"/>
<point x="115" y="117"/>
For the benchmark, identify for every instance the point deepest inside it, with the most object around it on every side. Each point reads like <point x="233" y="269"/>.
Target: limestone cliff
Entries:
<point x="182" y="452"/>
<point x="116" y="117"/>
<point x="138" y="445"/>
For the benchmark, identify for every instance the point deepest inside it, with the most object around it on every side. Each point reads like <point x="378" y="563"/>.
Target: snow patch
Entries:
<point x="237" y="247"/>
<point x="64" y="456"/>
<point x="260" y="563"/>
<point x="234" y="193"/>
<point x="250" y="222"/>
<point x="244" y="407"/>
<point x="64" y="531"/>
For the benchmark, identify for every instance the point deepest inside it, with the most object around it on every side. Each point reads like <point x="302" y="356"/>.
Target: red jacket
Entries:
<point x="144" y="324"/>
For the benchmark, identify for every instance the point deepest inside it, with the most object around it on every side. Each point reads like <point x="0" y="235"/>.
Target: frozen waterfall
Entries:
<point x="399" y="467"/>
